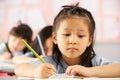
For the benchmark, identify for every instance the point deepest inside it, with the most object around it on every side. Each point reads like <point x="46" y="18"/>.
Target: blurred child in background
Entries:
<point x="46" y="40"/>
<point x="14" y="46"/>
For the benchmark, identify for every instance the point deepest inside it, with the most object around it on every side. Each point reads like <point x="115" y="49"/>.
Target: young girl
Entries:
<point x="73" y="37"/>
<point x="14" y="46"/>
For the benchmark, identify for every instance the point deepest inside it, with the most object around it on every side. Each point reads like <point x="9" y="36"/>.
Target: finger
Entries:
<point x="73" y="71"/>
<point x="50" y="66"/>
<point x="47" y="67"/>
<point x="68" y="70"/>
<point x="49" y="72"/>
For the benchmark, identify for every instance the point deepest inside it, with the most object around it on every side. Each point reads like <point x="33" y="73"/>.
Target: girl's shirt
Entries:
<point x="96" y="61"/>
<point x="4" y="48"/>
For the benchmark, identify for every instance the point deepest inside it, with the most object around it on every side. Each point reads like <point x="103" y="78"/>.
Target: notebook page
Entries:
<point x="61" y="76"/>
<point x="25" y="78"/>
<point x="8" y="78"/>
<point x="6" y="66"/>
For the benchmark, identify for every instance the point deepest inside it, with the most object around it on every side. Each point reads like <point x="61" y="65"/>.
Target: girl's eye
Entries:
<point x="80" y="36"/>
<point x="66" y="34"/>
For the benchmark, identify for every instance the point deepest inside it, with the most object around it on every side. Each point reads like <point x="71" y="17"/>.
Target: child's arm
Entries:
<point x="22" y="59"/>
<point x="111" y="70"/>
<point x="5" y="55"/>
<point x="44" y="70"/>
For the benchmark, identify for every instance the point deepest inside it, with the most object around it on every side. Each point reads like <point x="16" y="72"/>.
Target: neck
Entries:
<point x="71" y="61"/>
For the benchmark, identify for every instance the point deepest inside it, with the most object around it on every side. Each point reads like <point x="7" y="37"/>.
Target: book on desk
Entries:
<point x="65" y="77"/>
<point x="7" y="66"/>
<point x="24" y="78"/>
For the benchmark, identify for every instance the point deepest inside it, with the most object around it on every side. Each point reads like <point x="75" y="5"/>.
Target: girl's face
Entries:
<point x="72" y="37"/>
<point x="48" y="46"/>
<point x="15" y="43"/>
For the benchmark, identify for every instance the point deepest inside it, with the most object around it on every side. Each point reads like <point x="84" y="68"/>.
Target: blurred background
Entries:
<point x="39" y="13"/>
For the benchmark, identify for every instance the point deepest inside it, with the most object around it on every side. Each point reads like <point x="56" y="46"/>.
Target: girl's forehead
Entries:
<point x="75" y="18"/>
<point x="15" y="37"/>
<point x="74" y="23"/>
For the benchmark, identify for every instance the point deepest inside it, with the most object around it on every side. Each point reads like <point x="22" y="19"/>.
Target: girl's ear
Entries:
<point x="54" y="38"/>
<point x="90" y="41"/>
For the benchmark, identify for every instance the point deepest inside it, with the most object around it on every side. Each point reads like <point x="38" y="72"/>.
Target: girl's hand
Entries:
<point x="5" y="55"/>
<point x="78" y="70"/>
<point x="45" y="70"/>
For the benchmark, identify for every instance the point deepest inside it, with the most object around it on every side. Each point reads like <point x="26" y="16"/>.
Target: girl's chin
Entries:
<point x="72" y="56"/>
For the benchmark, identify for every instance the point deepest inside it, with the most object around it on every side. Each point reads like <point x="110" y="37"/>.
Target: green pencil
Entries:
<point x="6" y="48"/>
<point x="33" y="51"/>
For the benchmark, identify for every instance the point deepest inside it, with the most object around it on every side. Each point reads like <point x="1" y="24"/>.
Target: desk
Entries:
<point x="82" y="79"/>
<point x="8" y="78"/>
<point x="7" y="66"/>
<point x="10" y="68"/>
<point x="92" y="78"/>
<point x="16" y="78"/>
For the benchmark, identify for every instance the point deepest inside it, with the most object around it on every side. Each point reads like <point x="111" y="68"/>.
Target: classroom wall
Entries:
<point x="110" y="51"/>
<point x="38" y="13"/>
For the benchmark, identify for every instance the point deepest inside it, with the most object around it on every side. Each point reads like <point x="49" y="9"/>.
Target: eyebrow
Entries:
<point x="71" y="29"/>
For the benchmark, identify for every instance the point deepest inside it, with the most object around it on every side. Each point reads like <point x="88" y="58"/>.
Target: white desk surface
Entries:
<point x="17" y="78"/>
<point x="7" y="66"/>
<point x="24" y="78"/>
<point x="84" y="79"/>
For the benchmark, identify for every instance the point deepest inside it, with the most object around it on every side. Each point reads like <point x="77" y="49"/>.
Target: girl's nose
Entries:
<point x="16" y="44"/>
<point x="73" y="39"/>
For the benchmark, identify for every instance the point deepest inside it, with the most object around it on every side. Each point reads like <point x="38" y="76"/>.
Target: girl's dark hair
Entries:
<point x="70" y="11"/>
<point x="22" y="30"/>
<point x="44" y="34"/>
